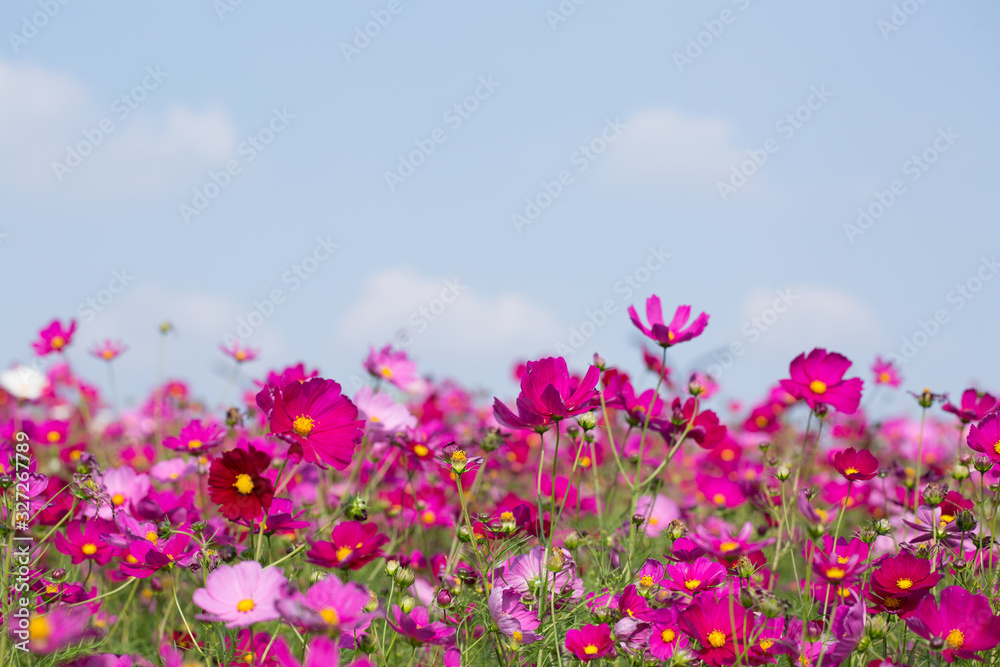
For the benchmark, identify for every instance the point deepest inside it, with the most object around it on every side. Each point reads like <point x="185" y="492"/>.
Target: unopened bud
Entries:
<point x="391" y="567"/>
<point x="882" y="526"/>
<point x="937" y="643"/>
<point x="556" y="561"/>
<point x="983" y="464"/>
<point x="764" y="446"/>
<point x="821" y="410"/>
<point x="464" y="534"/>
<point x="676" y="530"/>
<point x="404" y="577"/>
<point x="877" y="627"/>
<point x="572" y="541"/>
<point x="745" y="567"/>
<point x="638" y="519"/>
<point x="372" y="605"/>
<point x="587" y="421"/>
<point x="58" y="574"/>
<point x="934" y="494"/>
<point x="366" y="643"/>
<point x="317" y="576"/>
<point x="407" y="604"/>
<point x="233" y="417"/>
<point x="166" y="327"/>
<point x="356" y="508"/>
<point x="783" y="472"/>
<point x="960" y="472"/>
<point x="965" y="520"/>
<point x="443" y="599"/>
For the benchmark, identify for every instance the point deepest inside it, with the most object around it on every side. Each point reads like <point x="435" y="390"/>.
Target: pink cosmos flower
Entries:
<point x="512" y="617"/>
<point x="82" y="541"/>
<point x="239" y="353"/>
<point x="591" y="642"/>
<point x="109" y="350"/>
<point x="416" y="627"/>
<point x="548" y="395"/>
<point x="50" y="632"/>
<point x="720" y="624"/>
<point x="963" y="621"/>
<point x="393" y="367"/>
<point x="328" y="606"/>
<point x="315" y="417"/>
<point x="659" y="511"/>
<point x="668" y="334"/>
<point x="974" y="406"/>
<point x="54" y="338"/>
<point x="354" y="545"/>
<point x="985" y="437"/>
<point x="886" y="373"/>
<point x="854" y="465"/>
<point x="819" y="379"/>
<point x="148" y="555"/>
<point x="693" y="578"/>
<point x="241" y="594"/>
<point x="383" y="415"/>
<point x="196" y="437"/>
<point x="125" y="487"/>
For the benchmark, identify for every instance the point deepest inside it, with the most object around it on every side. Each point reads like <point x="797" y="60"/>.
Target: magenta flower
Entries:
<point x="148" y="555"/>
<point x="354" y="545"/>
<point x="416" y="627"/>
<point x="328" y="606"/>
<point x="720" y="625"/>
<point x="619" y="393"/>
<point x="854" y="465"/>
<point x="963" y="621"/>
<point x="512" y="617"/>
<point x="985" y="437"/>
<point x="54" y="338"/>
<point x="393" y="367"/>
<point x="82" y="541"/>
<point x="239" y="353"/>
<point x="548" y="395"/>
<point x="886" y="373"/>
<point x="974" y="406"/>
<point x="241" y="594"/>
<point x="818" y="379"/>
<point x="591" y="642"/>
<point x="315" y="417"/>
<point x="109" y="350"/>
<point x="47" y="633"/>
<point x="668" y="334"/>
<point x="666" y="635"/>
<point x="196" y="437"/>
<point x="693" y="578"/>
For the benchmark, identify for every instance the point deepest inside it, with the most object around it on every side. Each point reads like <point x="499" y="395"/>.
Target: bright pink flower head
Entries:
<point x="54" y="338"/>
<point x="591" y="642"/>
<point x="720" y="626"/>
<point x="241" y="594"/>
<point x="886" y="372"/>
<point x="693" y="578"/>
<point x="417" y="628"/>
<point x="854" y="465"/>
<point x="315" y="416"/>
<point x="819" y="379"/>
<point x="196" y="437"/>
<point x="548" y="394"/>
<point x="82" y="541"/>
<point x="905" y="575"/>
<point x="354" y="545"/>
<point x="985" y="437"/>
<point x="109" y="350"/>
<point x="963" y="621"/>
<point x="328" y="606"/>
<point x="668" y="334"/>
<point x="50" y="632"/>
<point x="974" y="406"/>
<point x="393" y="367"/>
<point x="238" y="352"/>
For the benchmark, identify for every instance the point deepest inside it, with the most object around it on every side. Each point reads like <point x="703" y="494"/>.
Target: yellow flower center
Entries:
<point x="118" y="499"/>
<point x="719" y="499"/>
<point x="517" y="636"/>
<point x="421" y="451"/>
<point x="670" y="335"/>
<point x="716" y="638"/>
<point x="344" y="552"/>
<point x="507" y="516"/>
<point x="245" y="605"/>
<point x="817" y="387"/>
<point x="996" y="447"/>
<point x="75" y="455"/>
<point x="590" y="649"/>
<point x="668" y="635"/>
<point x="151" y="536"/>
<point x="884" y="377"/>
<point x="646" y="581"/>
<point x="39" y="629"/>
<point x="243" y="484"/>
<point x="727" y="455"/>
<point x="194" y="444"/>
<point x="585" y="461"/>
<point x="58" y="342"/>
<point x="692" y="584"/>
<point x="904" y="584"/>
<point x="761" y="421"/>
<point x="822" y="514"/>
<point x="765" y="643"/>
<point x="240" y="355"/>
<point x="52" y="589"/>
<point x="458" y="456"/>
<point x="851" y="471"/>
<point x="53" y="436"/>
<point x="428" y="516"/>
<point x="890" y="603"/>
<point x="835" y="573"/>
<point x="842" y="559"/>
<point x="726" y="547"/>
<point x="303" y="425"/>
<point x="955" y="638"/>
<point x="386" y="372"/>
<point x="330" y="616"/>
<point x="89" y="549"/>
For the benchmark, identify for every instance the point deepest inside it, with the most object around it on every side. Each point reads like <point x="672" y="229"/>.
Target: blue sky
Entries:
<point x="238" y="152"/>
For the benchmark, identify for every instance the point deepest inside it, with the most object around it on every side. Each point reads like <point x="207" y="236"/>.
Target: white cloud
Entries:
<point x="401" y="305"/>
<point x="665" y="147"/>
<point x="43" y="112"/>
<point x="816" y="317"/>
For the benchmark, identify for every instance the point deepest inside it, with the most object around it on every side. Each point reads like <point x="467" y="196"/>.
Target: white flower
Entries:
<point x="24" y="382"/>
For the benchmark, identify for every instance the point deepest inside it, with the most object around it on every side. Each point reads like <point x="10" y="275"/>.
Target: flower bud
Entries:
<point x="746" y="598"/>
<point x="868" y="534"/>
<point x="937" y="643"/>
<point x="965" y="520"/>
<point x="228" y="553"/>
<point x="391" y="567"/>
<point x="676" y="530"/>
<point x="587" y="421"/>
<point x="783" y="472"/>
<point x="458" y="461"/>
<point x="764" y="446"/>
<point x="463" y="534"/>
<point x="443" y="599"/>
<point x="934" y="494"/>
<point x="882" y="526"/>
<point x="572" y="541"/>
<point x="58" y="574"/>
<point x="877" y="627"/>
<point x="983" y="464"/>
<point x="357" y="508"/>
<point x="695" y="388"/>
<point x="771" y="606"/>
<point x="407" y="604"/>
<point x="198" y="526"/>
<point x="166" y="327"/>
<point x="960" y="472"/>
<point x="556" y="561"/>
<point x="404" y="577"/>
<point x="821" y="410"/>
<point x="638" y="519"/>
<point x="317" y="576"/>
<point x="491" y="440"/>
<point x="233" y="417"/>
<point x="372" y="605"/>
<point x="960" y="564"/>
<point x="965" y="459"/>
<point x="745" y="567"/>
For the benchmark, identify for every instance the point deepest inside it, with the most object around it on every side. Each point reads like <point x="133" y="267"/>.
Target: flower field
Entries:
<point x="593" y="518"/>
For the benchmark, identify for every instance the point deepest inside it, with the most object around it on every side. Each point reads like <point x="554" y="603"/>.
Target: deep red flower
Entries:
<point x="905" y="574"/>
<point x="236" y="483"/>
<point x="354" y="545"/>
<point x="706" y="430"/>
<point x="854" y="465"/>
